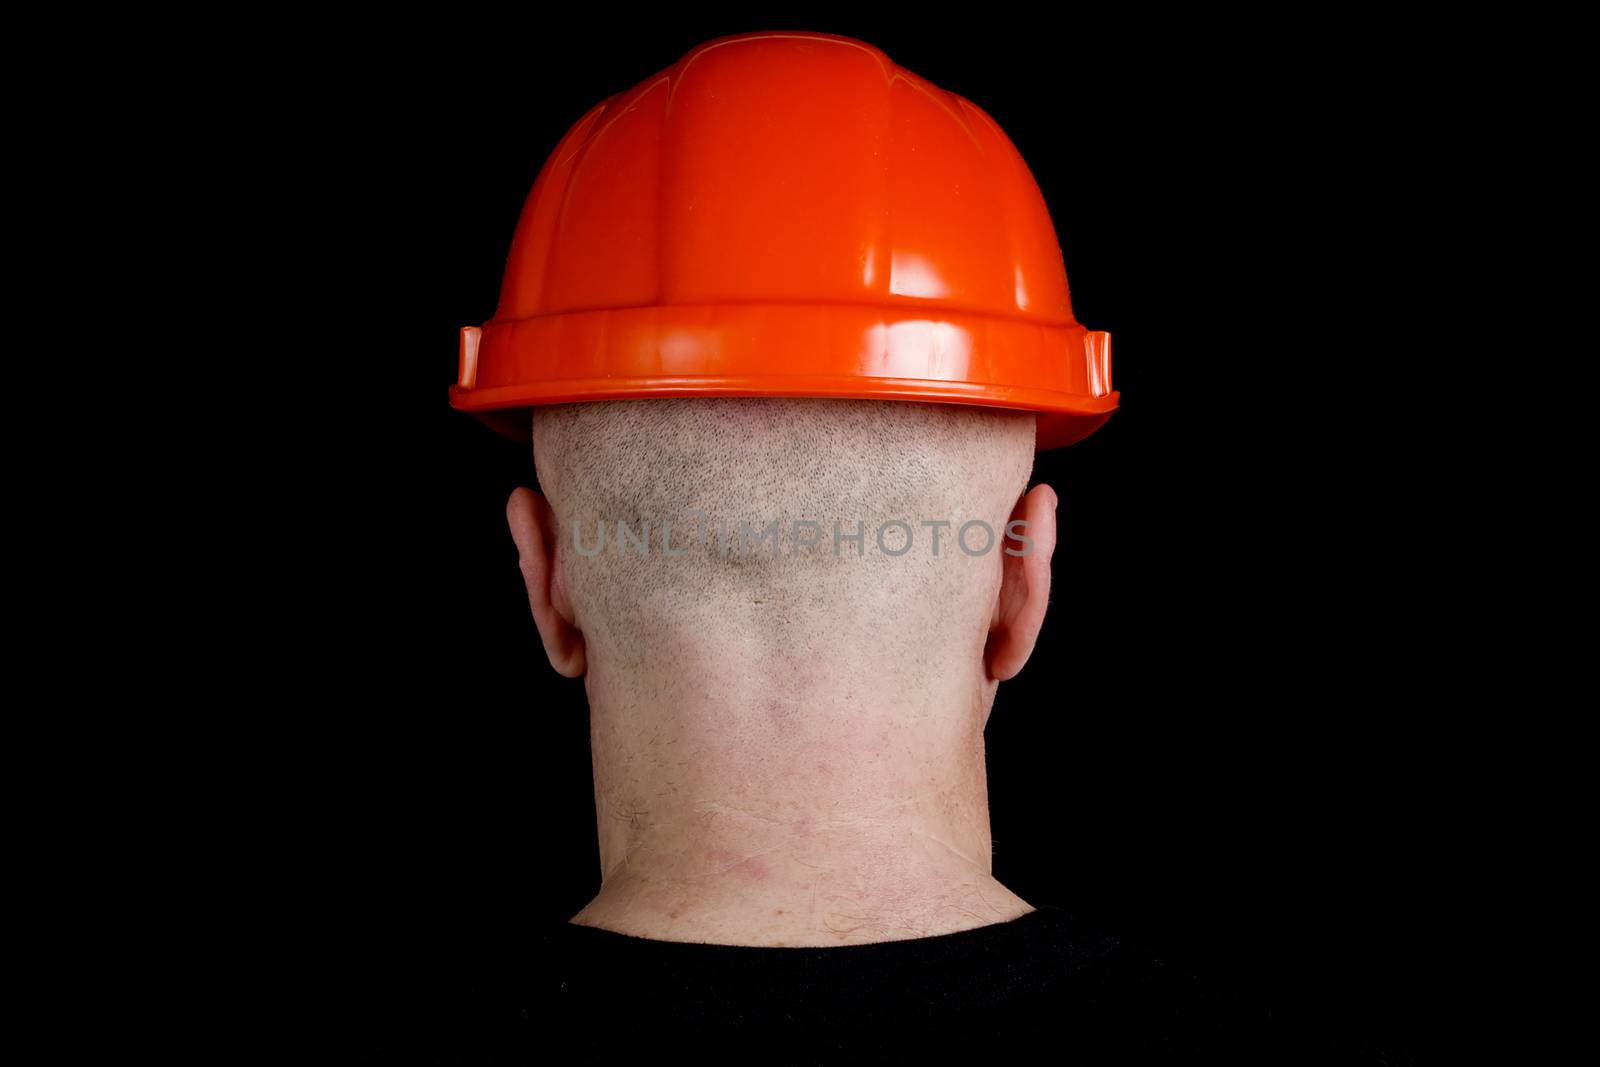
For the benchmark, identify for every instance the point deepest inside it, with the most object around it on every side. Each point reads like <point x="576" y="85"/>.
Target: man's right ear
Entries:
<point x="533" y="528"/>
<point x="1024" y="586"/>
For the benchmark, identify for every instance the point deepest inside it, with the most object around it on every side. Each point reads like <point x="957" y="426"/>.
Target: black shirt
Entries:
<point x="1042" y="985"/>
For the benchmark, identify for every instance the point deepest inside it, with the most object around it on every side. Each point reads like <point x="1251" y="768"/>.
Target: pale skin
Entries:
<point x="863" y="817"/>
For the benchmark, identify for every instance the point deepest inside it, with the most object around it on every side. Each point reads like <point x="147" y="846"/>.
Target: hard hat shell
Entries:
<point x="787" y="214"/>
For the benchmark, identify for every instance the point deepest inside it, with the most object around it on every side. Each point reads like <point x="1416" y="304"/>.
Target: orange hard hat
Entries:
<point x="787" y="214"/>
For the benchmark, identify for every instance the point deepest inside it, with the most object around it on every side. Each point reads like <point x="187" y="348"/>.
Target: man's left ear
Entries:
<point x="1026" y="548"/>
<point x="533" y="528"/>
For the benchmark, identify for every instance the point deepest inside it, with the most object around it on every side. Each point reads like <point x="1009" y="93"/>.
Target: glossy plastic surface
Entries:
<point x="787" y="214"/>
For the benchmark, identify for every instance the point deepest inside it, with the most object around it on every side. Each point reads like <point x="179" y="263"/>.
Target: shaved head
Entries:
<point x="780" y="520"/>
<point x="791" y="617"/>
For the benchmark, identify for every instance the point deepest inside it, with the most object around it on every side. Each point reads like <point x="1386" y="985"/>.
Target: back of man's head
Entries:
<point x="785" y="540"/>
<point x="792" y="617"/>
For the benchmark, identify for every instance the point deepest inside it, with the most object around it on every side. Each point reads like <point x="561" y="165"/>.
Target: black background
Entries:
<point x="1211" y="745"/>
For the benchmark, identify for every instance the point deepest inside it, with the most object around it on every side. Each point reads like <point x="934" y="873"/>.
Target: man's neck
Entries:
<point x="743" y="821"/>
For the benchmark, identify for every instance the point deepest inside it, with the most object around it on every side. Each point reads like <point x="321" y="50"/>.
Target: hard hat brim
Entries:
<point x="788" y="350"/>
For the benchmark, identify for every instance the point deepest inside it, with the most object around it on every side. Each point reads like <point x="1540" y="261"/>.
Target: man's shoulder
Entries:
<point x="1056" y="980"/>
